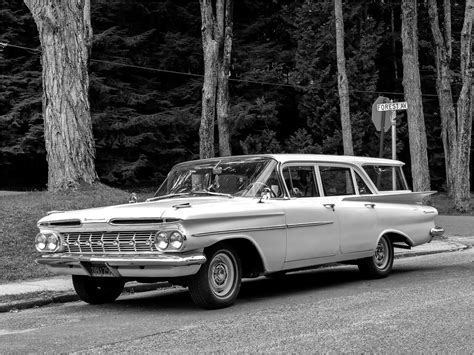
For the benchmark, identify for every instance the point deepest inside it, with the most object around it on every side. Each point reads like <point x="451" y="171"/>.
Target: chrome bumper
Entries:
<point x="122" y="265"/>
<point x="437" y="232"/>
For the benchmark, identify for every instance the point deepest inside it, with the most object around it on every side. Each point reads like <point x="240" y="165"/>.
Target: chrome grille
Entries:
<point x="109" y="242"/>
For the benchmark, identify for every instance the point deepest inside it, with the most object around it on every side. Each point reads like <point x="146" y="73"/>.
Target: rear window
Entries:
<point x="386" y="178"/>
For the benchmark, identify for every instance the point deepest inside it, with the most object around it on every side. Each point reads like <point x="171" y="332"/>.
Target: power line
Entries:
<point x="167" y="71"/>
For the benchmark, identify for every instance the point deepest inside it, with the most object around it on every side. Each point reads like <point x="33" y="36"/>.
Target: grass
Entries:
<point x="18" y="217"/>
<point x="445" y="205"/>
<point x="19" y="214"/>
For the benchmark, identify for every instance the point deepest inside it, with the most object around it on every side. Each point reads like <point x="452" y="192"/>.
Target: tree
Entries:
<point x="456" y="124"/>
<point x="65" y="33"/>
<point x="217" y="45"/>
<point x="412" y="89"/>
<point x="343" y="85"/>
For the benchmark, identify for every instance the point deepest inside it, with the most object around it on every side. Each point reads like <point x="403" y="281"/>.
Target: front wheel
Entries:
<point x="217" y="283"/>
<point x="97" y="290"/>
<point x="380" y="264"/>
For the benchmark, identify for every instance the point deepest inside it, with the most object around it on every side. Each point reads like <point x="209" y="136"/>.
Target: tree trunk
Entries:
<point x="209" y="88"/>
<point x="394" y="47"/>
<point x="342" y="81"/>
<point x="443" y="86"/>
<point x="412" y="89"/>
<point x="456" y="124"/>
<point x="225" y="25"/>
<point x="65" y="33"/>
<point x="465" y="110"/>
<point x="217" y="45"/>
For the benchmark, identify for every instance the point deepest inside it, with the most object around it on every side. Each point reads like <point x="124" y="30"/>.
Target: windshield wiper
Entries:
<point x="167" y="196"/>
<point x="205" y="192"/>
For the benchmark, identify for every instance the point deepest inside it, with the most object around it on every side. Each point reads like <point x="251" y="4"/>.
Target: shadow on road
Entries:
<point x="177" y="299"/>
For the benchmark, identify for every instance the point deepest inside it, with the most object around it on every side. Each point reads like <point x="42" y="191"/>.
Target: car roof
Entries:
<point x="325" y="158"/>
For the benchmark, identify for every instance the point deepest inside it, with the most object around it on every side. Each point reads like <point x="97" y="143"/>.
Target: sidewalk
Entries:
<point x="59" y="289"/>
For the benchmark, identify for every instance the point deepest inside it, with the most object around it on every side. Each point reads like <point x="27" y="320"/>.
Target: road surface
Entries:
<point x="425" y="305"/>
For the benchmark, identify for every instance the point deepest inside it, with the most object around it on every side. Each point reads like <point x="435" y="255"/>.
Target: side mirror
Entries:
<point x="133" y="198"/>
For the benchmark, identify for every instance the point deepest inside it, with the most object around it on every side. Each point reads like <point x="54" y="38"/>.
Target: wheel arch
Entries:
<point x="250" y="256"/>
<point x="396" y="236"/>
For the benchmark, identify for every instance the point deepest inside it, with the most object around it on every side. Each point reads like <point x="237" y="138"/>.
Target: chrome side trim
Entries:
<point x="308" y="224"/>
<point x="123" y="260"/>
<point x="239" y="230"/>
<point x="266" y="228"/>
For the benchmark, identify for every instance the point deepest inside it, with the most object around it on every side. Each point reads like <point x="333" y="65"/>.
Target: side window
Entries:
<point x="362" y="186"/>
<point x="336" y="181"/>
<point x="301" y="181"/>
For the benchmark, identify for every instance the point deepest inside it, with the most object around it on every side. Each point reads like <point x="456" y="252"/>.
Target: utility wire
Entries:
<point x="3" y="45"/>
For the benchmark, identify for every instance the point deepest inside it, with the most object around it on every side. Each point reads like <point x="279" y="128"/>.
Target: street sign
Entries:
<point x="392" y="106"/>
<point x="381" y="116"/>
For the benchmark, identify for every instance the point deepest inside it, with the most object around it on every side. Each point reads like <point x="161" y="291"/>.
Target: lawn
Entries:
<point x="19" y="214"/>
<point x="18" y="217"/>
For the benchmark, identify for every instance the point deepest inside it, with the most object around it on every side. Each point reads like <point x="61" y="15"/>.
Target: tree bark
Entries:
<point x="412" y="90"/>
<point x="210" y="48"/>
<point x="465" y="109"/>
<point x="217" y="46"/>
<point x="225" y="25"/>
<point x="65" y="33"/>
<point x="443" y="87"/>
<point x="456" y="124"/>
<point x="343" y="86"/>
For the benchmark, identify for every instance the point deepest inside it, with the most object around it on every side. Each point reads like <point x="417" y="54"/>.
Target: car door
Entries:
<point x="312" y="226"/>
<point x="357" y="219"/>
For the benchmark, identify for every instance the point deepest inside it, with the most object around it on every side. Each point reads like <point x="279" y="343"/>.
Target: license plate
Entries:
<point x="100" y="271"/>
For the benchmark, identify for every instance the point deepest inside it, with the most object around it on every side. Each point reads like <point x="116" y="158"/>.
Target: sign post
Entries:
<point x="394" y="147"/>
<point x="382" y="124"/>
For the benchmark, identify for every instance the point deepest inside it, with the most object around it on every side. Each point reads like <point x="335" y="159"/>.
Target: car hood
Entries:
<point x="173" y="208"/>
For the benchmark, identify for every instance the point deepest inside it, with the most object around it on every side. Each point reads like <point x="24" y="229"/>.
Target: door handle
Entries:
<point x="329" y="205"/>
<point x="369" y="205"/>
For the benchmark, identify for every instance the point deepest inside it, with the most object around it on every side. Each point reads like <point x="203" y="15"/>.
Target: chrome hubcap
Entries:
<point x="381" y="257"/>
<point x="222" y="275"/>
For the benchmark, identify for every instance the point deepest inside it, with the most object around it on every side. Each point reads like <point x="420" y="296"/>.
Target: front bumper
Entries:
<point x="125" y="265"/>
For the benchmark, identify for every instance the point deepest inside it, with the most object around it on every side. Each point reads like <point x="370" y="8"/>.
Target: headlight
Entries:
<point x="172" y="240"/>
<point x="176" y="240"/>
<point x="161" y="241"/>
<point x="40" y="241"/>
<point x="47" y="242"/>
<point x="52" y="242"/>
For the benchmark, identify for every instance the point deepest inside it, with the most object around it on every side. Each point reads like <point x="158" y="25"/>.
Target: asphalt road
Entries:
<point x="427" y="304"/>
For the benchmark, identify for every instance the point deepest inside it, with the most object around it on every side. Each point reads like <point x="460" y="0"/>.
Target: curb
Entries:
<point x="456" y="246"/>
<point x="71" y="296"/>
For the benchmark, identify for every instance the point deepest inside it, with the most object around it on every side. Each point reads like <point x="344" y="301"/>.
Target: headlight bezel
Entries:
<point x="171" y="240"/>
<point x="48" y="242"/>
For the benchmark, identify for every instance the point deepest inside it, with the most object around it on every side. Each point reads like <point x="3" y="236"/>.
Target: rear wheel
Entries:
<point x="217" y="283"/>
<point x="380" y="264"/>
<point x="97" y="290"/>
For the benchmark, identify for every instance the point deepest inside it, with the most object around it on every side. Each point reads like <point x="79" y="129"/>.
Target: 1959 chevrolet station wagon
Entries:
<point x="215" y="221"/>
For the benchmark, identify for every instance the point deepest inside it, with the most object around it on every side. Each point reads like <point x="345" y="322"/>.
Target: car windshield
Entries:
<point x="233" y="176"/>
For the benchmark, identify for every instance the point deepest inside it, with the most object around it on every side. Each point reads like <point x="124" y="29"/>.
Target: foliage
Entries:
<point x="283" y="84"/>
